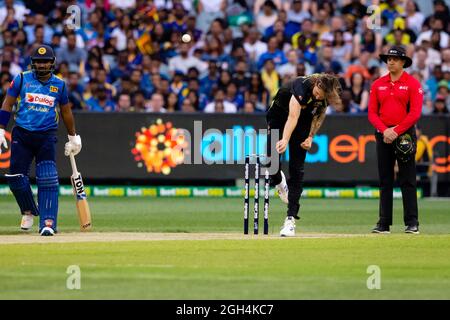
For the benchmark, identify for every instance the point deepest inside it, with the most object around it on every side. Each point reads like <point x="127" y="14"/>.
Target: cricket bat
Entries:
<point x="84" y="213"/>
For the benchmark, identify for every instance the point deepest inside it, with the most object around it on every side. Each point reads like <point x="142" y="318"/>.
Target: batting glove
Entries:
<point x="2" y="140"/>
<point x="73" y="146"/>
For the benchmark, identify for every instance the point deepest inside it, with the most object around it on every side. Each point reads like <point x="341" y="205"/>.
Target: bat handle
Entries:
<point x="73" y="163"/>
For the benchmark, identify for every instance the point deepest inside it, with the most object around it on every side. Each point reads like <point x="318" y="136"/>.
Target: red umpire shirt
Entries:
<point x="397" y="103"/>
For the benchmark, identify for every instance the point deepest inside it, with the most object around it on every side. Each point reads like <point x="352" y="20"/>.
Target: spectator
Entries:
<point x="361" y="66"/>
<point x="232" y="95"/>
<point x="74" y="56"/>
<point x="273" y="53"/>
<point x="208" y="11"/>
<point x="100" y="102"/>
<point x="367" y="42"/>
<point x="17" y="9"/>
<point x="296" y="14"/>
<point x="123" y="4"/>
<point x="437" y="26"/>
<point x="224" y="80"/>
<point x="355" y="8"/>
<point x="327" y="64"/>
<point x="191" y="28"/>
<point x="241" y="76"/>
<point x="102" y="77"/>
<point x="342" y="50"/>
<point x="321" y="24"/>
<point x="183" y="61"/>
<point x="119" y="37"/>
<point x="359" y="91"/>
<point x="290" y="68"/>
<point x="256" y="86"/>
<point x="178" y="24"/>
<point x="420" y="63"/>
<point x="390" y="10"/>
<point x="424" y="155"/>
<point x="219" y="98"/>
<point x="446" y="60"/>
<point x="414" y="18"/>
<point x="139" y="102"/>
<point x="211" y="79"/>
<point x="172" y="102"/>
<point x="194" y="98"/>
<point x="156" y="104"/>
<point x="443" y="88"/>
<point x="267" y="16"/>
<point x="270" y="78"/>
<point x="43" y="7"/>
<point x="253" y="46"/>
<point x="75" y="92"/>
<point x="121" y="32"/>
<point x="39" y="21"/>
<point x="186" y="106"/>
<point x="441" y="11"/>
<point x="134" y="56"/>
<point x="124" y="103"/>
<point x="440" y="106"/>
<point x="249" y="107"/>
<point x="306" y="33"/>
<point x="348" y="105"/>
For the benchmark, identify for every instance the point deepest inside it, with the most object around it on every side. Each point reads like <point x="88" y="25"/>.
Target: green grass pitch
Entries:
<point x="315" y="265"/>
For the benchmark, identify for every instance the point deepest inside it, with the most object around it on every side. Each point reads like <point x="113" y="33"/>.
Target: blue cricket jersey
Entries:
<point x="37" y="101"/>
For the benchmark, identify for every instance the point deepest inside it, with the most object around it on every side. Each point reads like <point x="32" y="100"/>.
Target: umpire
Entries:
<point x="395" y="106"/>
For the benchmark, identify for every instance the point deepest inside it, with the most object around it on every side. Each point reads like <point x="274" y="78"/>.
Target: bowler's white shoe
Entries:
<point x="27" y="222"/>
<point x="288" y="229"/>
<point x="282" y="189"/>
<point x="47" y="231"/>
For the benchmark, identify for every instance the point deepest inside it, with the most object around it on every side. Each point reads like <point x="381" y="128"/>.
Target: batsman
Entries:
<point x="37" y="94"/>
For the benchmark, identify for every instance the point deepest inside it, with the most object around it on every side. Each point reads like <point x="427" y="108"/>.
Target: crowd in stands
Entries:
<point x="222" y="55"/>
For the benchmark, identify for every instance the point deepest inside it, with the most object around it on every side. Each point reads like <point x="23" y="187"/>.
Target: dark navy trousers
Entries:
<point x="26" y="145"/>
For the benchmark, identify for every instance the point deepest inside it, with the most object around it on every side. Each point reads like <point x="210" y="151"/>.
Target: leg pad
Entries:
<point x="48" y="190"/>
<point x="21" y="189"/>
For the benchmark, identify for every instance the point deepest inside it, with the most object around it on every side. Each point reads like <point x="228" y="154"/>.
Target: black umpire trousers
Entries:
<point x="276" y="119"/>
<point x="406" y="177"/>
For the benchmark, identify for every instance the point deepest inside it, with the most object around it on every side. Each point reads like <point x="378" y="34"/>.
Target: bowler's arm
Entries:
<point x="294" y="115"/>
<point x="317" y="122"/>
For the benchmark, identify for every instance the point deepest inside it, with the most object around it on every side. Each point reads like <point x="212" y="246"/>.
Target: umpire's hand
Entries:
<point x="389" y="135"/>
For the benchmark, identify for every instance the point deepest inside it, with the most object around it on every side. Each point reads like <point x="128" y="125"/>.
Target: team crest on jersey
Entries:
<point x="42" y="99"/>
<point x="53" y="89"/>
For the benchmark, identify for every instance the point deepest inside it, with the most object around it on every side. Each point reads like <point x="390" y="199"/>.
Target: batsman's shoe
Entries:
<point x="47" y="231"/>
<point x="381" y="228"/>
<point x="288" y="229"/>
<point x="27" y="222"/>
<point x="283" y="189"/>
<point x="412" y="229"/>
